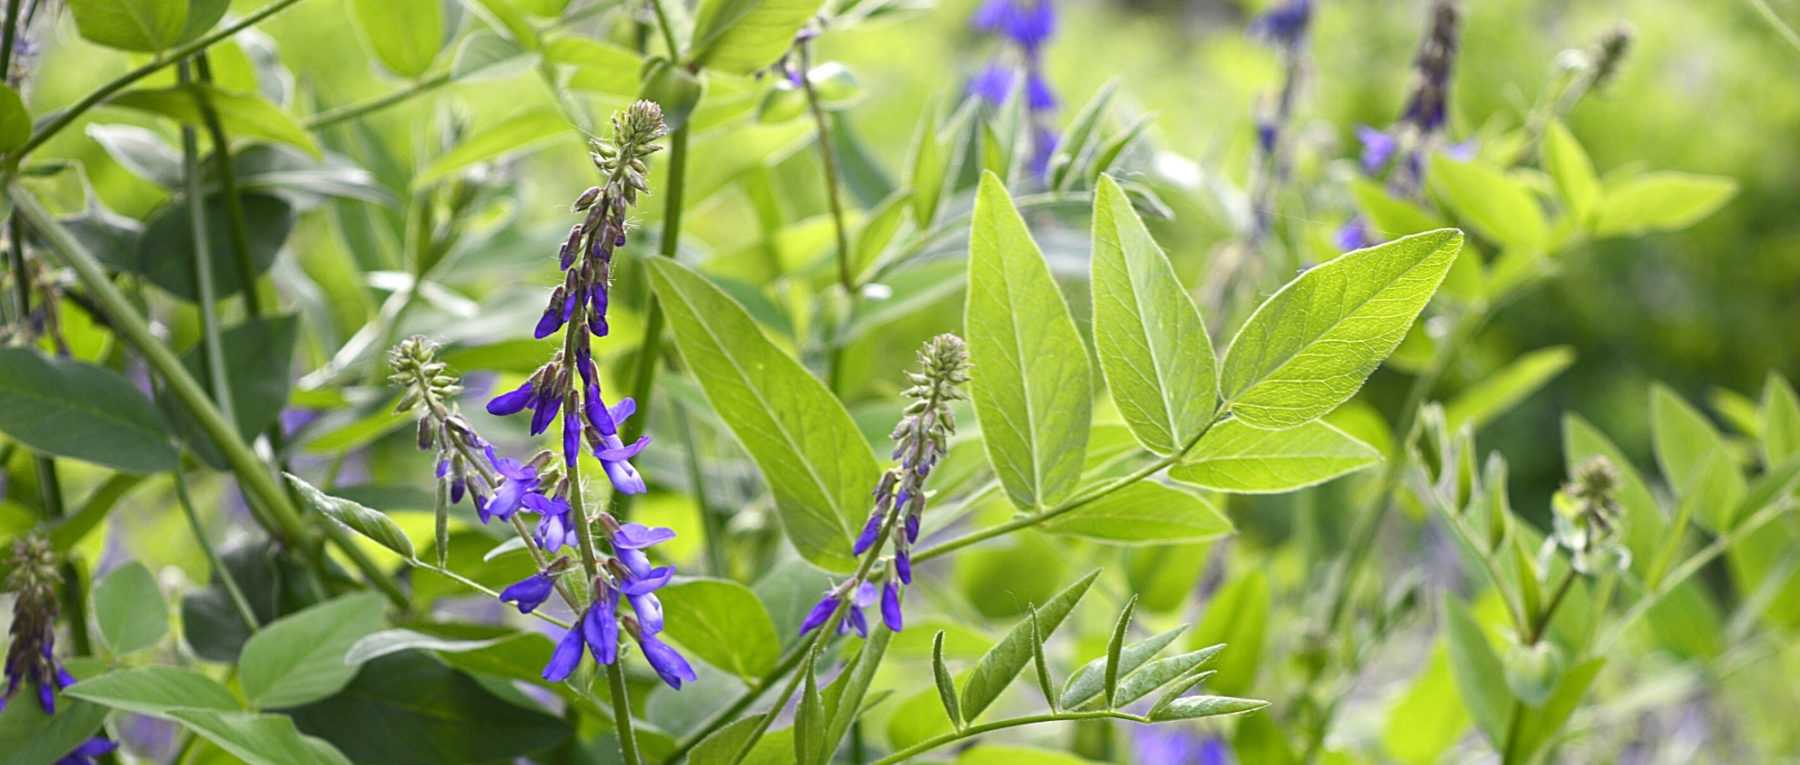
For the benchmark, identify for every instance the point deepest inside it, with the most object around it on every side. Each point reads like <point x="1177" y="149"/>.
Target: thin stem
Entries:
<point x="667" y="29"/>
<point x="481" y="588"/>
<point x="1015" y="722"/>
<point x="1692" y="566"/>
<point x="68" y="116"/>
<point x="226" y="578"/>
<point x="348" y="112"/>
<point x="8" y="37"/>
<point x="1782" y="28"/>
<point x="621" y="702"/>
<point x="786" y="664"/>
<point x="212" y="349"/>
<point x="828" y="159"/>
<point x="236" y="224"/>
<point x="1542" y="621"/>
<point x="1513" y="729"/>
<point x="1070" y="505"/>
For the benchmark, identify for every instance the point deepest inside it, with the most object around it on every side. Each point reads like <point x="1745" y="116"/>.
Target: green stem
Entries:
<point x="1690" y="567"/>
<point x="1782" y="28"/>
<point x="621" y="703"/>
<point x="1070" y="505"/>
<point x="828" y="160"/>
<point x="212" y="351"/>
<point x="1015" y="722"/>
<point x="481" y="588"/>
<point x="236" y="223"/>
<point x="786" y="664"/>
<point x="710" y="521"/>
<point x="67" y="117"/>
<point x="667" y="30"/>
<point x="8" y="37"/>
<point x="348" y="112"/>
<point x="212" y="555"/>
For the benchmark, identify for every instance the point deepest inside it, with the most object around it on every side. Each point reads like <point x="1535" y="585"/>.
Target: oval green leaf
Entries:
<point x="130" y="609"/>
<point x="78" y="410"/>
<point x="1237" y="458"/>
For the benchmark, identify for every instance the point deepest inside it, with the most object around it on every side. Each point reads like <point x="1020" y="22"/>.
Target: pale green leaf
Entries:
<point x="1090" y="680"/>
<point x="743" y="36"/>
<point x="1568" y="163"/>
<point x="1663" y="201"/>
<point x="1194" y="707"/>
<point x="722" y="623"/>
<point x="1143" y="513"/>
<point x="1685" y="443"/>
<point x="1310" y="346"/>
<point x="815" y="460"/>
<point x="143" y="26"/>
<point x="243" y="115"/>
<point x="1480" y="680"/>
<point x="520" y="132"/>
<point x="1237" y="616"/>
<point x="1032" y="394"/>
<point x="154" y="691"/>
<point x="1154" y="349"/>
<point x="130" y="609"/>
<point x="404" y="34"/>
<point x="1780" y="414"/>
<point x="1496" y="205"/>
<point x="1493" y="394"/>
<point x="371" y="523"/>
<point x="1238" y="458"/>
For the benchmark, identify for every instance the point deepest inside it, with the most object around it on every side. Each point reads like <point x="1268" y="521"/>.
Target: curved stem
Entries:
<point x="786" y="664"/>
<point x="828" y="161"/>
<point x="212" y="350"/>
<point x="236" y="223"/>
<point x="1014" y="722"/>
<point x="348" y="112"/>
<point x="68" y="116"/>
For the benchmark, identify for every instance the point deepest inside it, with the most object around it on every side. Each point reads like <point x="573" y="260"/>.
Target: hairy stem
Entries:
<point x="1014" y="722"/>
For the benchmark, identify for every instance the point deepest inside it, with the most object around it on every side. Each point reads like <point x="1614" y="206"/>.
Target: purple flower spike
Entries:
<point x="870" y="530"/>
<point x="549" y="323"/>
<point x="529" y="593"/>
<point x="86" y="753"/>
<point x="544" y="410"/>
<point x="912" y="527"/>
<point x="890" y="607"/>
<point x="992" y="84"/>
<point x="511" y="402"/>
<point x="668" y="664"/>
<point x="566" y="657"/>
<point x="820" y="613"/>
<point x="1285" y="24"/>
<point x="651" y="582"/>
<point x="649" y="612"/>
<point x="520" y="479"/>
<point x="1377" y="148"/>
<point x="1038" y="95"/>
<point x="554" y="530"/>
<point x="1354" y="235"/>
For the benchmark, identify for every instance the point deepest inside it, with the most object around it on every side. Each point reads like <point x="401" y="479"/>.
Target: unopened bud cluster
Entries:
<point x="1587" y="518"/>
<point x="31" y="658"/>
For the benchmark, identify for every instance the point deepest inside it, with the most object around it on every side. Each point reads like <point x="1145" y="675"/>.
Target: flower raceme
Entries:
<point x="920" y="440"/>
<point x="31" y="658"/>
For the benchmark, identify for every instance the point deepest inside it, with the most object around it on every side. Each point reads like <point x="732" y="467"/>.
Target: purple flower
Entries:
<point x="630" y="540"/>
<point x="519" y="479"/>
<point x="903" y="564"/>
<point x="529" y="593"/>
<point x="890" y="606"/>
<point x="566" y="657"/>
<point x="668" y="664"/>
<point x="600" y="626"/>
<point x="543" y="410"/>
<point x="554" y="528"/>
<point x="1038" y="95"/>
<point x="1377" y="148"/>
<point x="1172" y="744"/>
<point x="1285" y="24"/>
<point x="510" y="402"/>
<point x="820" y="612"/>
<point x="88" y="751"/>
<point x="993" y="84"/>
<point x="1354" y="235"/>
<point x="854" y="620"/>
<point x="871" y="529"/>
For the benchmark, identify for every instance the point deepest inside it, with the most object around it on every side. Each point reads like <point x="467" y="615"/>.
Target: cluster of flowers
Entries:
<point x="1027" y="25"/>
<point x="31" y="658"/>
<point x="1586" y="519"/>
<point x="1401" y="149"/>
<point x="1284" y="26"/>
<point x="920" y="440"/>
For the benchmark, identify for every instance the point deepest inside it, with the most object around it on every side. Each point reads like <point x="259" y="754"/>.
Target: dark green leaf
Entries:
<point x="78" y="410"/>
<point x="946" y="685"/>
<point x="368" y="522"/>
<point x="164" y="254"/>
<point x="258" y="359"/>
<point x="300" y="658"/>
<point x="1113" y="648"/>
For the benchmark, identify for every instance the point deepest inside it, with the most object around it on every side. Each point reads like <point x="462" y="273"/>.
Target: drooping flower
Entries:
<point x="555" y="528"/>
<point x="993" y="84"/>
<point x="890" y="606"/>
<point x="669" y="665"/>
<point x="517" y="480"/>
<point x="1284" y="24"/>
<point x="530" y="592"/>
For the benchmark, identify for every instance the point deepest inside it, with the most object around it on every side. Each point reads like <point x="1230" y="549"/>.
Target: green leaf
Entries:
<point x="504" y="17"/>
<point x="1237" y="616"/>
<point x="1544" y="722"/>
<point x="73" y="409"/>
<point x="1090" y="680"/>
<point x="1155" y="674"/>
<point x="258" y="356"/>
<point x="1237" y="458"/>
<point x="1390" y="215"/>
<point x="300" y="658"/>
<point x="404" y="34"/>
<point x="244" y="115"/>
<point x="1421" y="726"/>
<point x="930" y="167"/>
<point x="143" y="26"/>
<point x="1040" y="665"/>
<point x="946" y="685"/>
<point x="258" y="739"/>
<point x="368" y="522"/>
<point x="1075" y="141"/>
<point x="388" y="642"/>
<point x="1568" y="163"/>
<point x="1661" y="201"/>
<point x="1310" y="346"/>
<point x="1686" y="442"/>
<point x="141" y="151"/>
<point x="815" y="460"/>
<point x="1153" y="345"/>
<point x="1496" y="205"/>
<point x="155" y="691"/>
<point x="518" y="133"/>
<point x="1494" y="393"/>
<point x="1143" y="513"/>
<point x="596" y="67"/>
<point x="15" y="121"/>
<point x="1183" y="684"/>
<point x="809" y="722"/>
<point x="1480" y="679"/>
<point x="30" y="737"/>
<point x="722" y="623"/>
<point x="744" y="36"/>
<point x="130" y="609"/>
<point x="1032" y="396"/>
<point x="1780" y="415"/>
<point x="1002" y="663"/>
<point x="164" y="252"/>
<point x="845" y="698"/>
<point x="1113" y="647"/>
<point x="1192" y="707"/>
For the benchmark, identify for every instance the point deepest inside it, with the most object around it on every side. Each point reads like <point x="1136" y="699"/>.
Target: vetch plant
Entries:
<point x="724" y="381"/>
